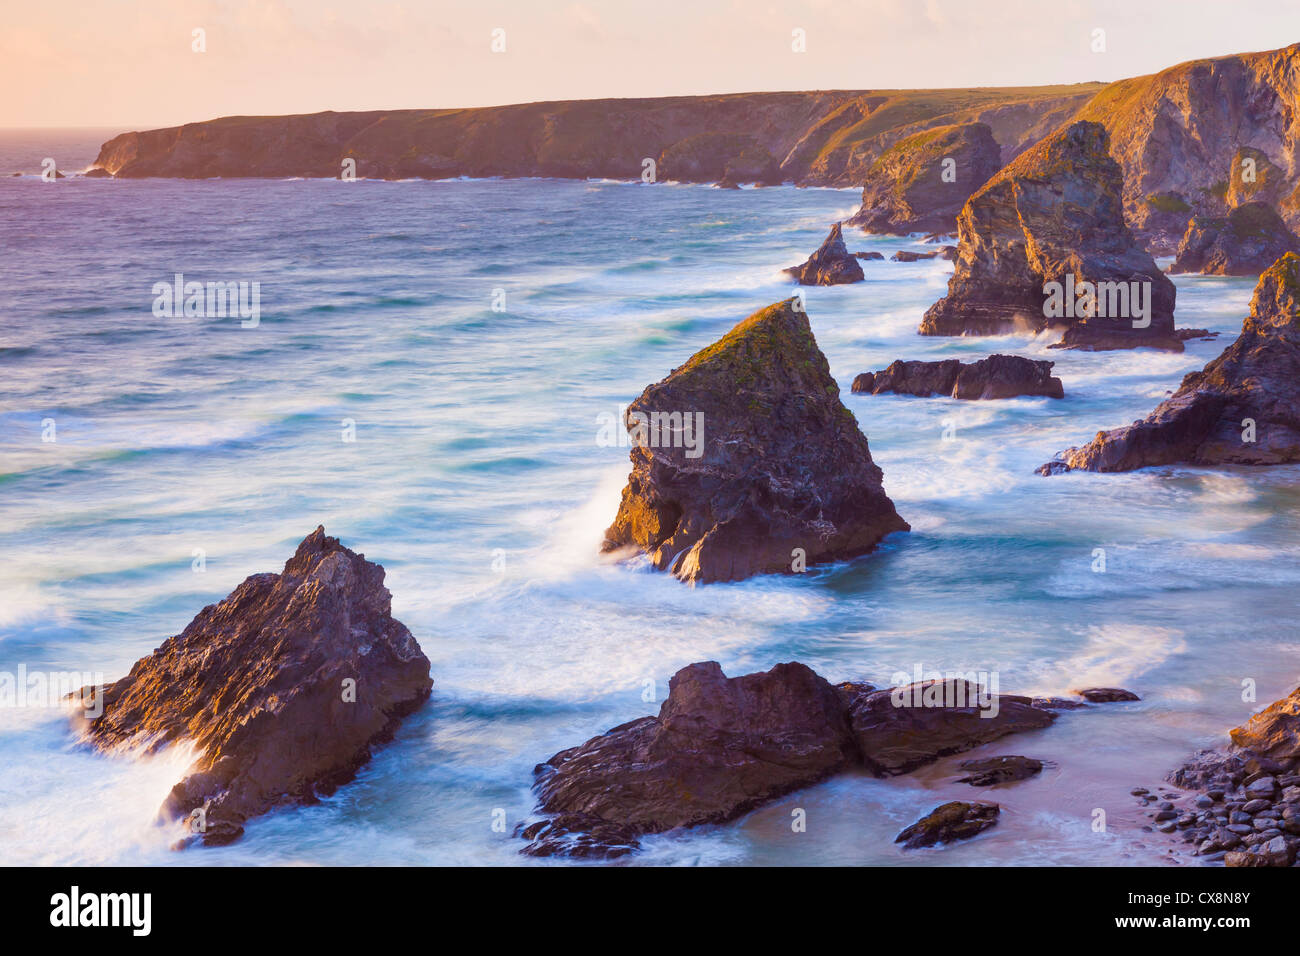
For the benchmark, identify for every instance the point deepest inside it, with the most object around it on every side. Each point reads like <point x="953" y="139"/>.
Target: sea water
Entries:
<point x="469" y="337"/>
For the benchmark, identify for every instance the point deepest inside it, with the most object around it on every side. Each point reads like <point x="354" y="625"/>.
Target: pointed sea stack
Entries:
<point x="910" y="188"/>
<point x="1242" y="408"/>
<point x="744" y="461"/>
<point x="1055" y="215"/>
<point x="831" y="264"/>
<point x="282" y="688"/>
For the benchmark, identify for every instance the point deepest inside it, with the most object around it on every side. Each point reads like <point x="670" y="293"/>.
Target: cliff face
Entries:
<point x="1181" y="135"/>
<point x="921" y="182"/>
<point x="812" y="138"/>
<point x="1053" y="217"/>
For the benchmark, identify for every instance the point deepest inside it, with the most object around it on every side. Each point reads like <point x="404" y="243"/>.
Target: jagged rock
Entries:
<point x="951" y="821"/>
<point x="905" y="255"/>
<point x="1036" y="239"/>
<point x="874" y="256"/>
<point x="1242" y="408"/>
<point x="719" y="747"/>
<point x="990" y="771"/>
<point x="282" y="688"/>
<point x="1248" y="241"/>
<point x="998" y="376"/>
<point x="98" y="173"/>
<point x="1106" y="695"/>
<point x="778" y="474"/>
<point x="906" y="187"/>
<point x="831" y="264"/>
<point x="903" y="728"/>
<point x="1273" y="733"/>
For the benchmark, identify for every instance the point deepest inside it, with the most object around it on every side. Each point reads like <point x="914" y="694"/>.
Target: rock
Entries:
<point x="726" y="158"/>
<point x="949" y="822"/>
<point x="948" y="253"/>
<point x="1059" y="703"/>
<point x="903" y="728"/>
<point x="719" y="747"/>
<point x="781" y="476"/>
<point x="1264" y="786"/>
<point x="1242" y="408"/>
<point x="1106" y="695"/>
<point x="905" y="255"/>
<point x="95" y="172"/>
<point x="282" y="688"/>
<point x="831" y="264"/>
<point x="1274" y="852"/>
<point x="998" y="376"/>
<point x="579" y="835"/>
<point x="989" y="771"/>
<point x="906" y="188"/>
<point x="1274" y="732"/>
<point x="874" y="256"/>
<point x="1035" y="233"/>
<point x="1248" y="241"/>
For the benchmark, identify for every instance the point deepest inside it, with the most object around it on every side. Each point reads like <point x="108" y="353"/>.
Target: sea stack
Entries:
<point x="1242" y="408"/>
<point x="1043" y="244"/>
<point x="831" y="264"/>
<point x="745" y="461"/>
<point x="1245" y="243"/>
<point x="921" y="182"/>
<point x="282" y="688"/>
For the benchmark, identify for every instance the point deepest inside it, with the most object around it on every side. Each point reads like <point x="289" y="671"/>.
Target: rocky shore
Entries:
<point x="282" y="689"/>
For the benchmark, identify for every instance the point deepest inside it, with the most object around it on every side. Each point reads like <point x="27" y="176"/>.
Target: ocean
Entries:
<point x="473" y="335"/>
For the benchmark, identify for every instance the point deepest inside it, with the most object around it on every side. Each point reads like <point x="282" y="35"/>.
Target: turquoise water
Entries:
<point x="477" y="480"/>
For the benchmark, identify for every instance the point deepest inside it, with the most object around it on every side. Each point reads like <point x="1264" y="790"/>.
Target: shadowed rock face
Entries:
<point x="1248" y="241"/>
<point x="719" y="747"/>
<point x="831" y="264"/>
<point x="779" y="465"/>
<point x="998" y="376"/>
<point x="907" y="189"/>
<point x="282" y="688"/>
<point x="1242" y="408"/>
<point x="1054" y="215"/>
<point x="952" y="821"/>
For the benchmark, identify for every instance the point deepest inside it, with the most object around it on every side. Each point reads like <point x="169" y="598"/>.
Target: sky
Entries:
<point x="133" y="64"/>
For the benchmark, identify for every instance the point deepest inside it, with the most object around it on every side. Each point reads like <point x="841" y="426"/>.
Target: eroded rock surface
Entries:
<point x="1245" y="242"/>
<point x="831" y="264"/>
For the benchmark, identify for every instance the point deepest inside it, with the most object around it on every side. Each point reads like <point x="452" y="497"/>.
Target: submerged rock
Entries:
<point x="719" y="747"/>
<point x="921" y="182"/>
<point x="998" y="376"/>
<point x="831" y="264"/>
<point x="1035" y="241"/>
<point x="1242" y="408"/>
<point x="952" y="821"/>
<point x="282" y="688"/>
<point x="902" y="728"/>
<point x="762" y="468"/>
<point x="1248" y="241"/>
<point x="990" y="771"/>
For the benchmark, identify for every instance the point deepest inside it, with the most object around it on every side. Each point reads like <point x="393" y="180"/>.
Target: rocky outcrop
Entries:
<point x="1273" y="733"/>
<point x="744" y="461"/>
<point x="1106" y="695"/>
<point x="1043" y="245"/>
<point x="817" y="138"/>
<point x="998" y="376"/>
<point x="952" y="821"/>
<point x="906" y="255"/>
<point x="831" y="264"/>
<point x="1249" y="240"/>
<point x="991" y="771"/>
<point x="719" y="747"/>
<point x="282" y="689"/>
<point x="1242" y="408"/>
<point x="722" y="746"/>
<point x="921" y="182"/>
<point x="900" y="729"/>
<point x="871" y="256"/>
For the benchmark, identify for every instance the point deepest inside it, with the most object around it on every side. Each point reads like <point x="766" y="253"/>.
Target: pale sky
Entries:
<point x="129" y="64"/>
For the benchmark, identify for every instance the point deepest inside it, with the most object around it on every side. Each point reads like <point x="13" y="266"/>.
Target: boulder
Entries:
<point x="831" y="264"/>
<point x="921" y="182"/>
<point x="761" y="469"/>
<point x="1242" y="408"/>
<point x="1273" y="733"/>
<point x="1249" y="240"/>
<point x="905" y="255"/>
<point x="282" y="689"/>
<point x="1035" y="242"/>
<point x="952" y="821"/>
<point x="719" y="747"/>
<point x="990" y="771"/>
<point x="97" y="172"/>
<point x="1105" y="695"/>
<point x="874" y="256"/>
<point x="998" y="376"/>
<point x="902" y="728"/>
